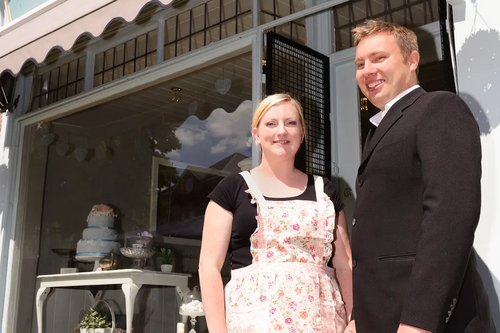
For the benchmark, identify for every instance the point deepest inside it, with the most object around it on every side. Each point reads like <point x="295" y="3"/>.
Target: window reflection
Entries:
<point x="106" y="154"/>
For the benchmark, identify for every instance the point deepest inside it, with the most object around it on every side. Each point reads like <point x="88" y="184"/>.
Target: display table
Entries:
<point x="131" y="280"/>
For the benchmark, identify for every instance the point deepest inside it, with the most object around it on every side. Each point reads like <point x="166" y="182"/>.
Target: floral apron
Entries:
<point x="288" y="287"/>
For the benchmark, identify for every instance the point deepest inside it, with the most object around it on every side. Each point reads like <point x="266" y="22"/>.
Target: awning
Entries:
<point x="61" y="26"/>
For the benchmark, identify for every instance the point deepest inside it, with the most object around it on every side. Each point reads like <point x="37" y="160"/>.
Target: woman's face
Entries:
<point x="279" y="132"/>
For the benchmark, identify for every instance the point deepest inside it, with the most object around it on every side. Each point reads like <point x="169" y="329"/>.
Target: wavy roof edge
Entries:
<point x="90" y="25"/>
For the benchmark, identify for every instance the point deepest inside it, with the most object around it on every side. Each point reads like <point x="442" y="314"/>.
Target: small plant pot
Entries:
<point x="96" y="330"/>
<point x="166" y="268"/>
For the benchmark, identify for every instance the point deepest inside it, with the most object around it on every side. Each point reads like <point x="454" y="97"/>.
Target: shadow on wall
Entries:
<point x="491" y="284"/>
<point x="478" y="71"/>
<point x="478" y="63"/>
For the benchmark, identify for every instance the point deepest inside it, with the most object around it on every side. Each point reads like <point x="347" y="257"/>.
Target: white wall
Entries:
<point x="477" y="42"/>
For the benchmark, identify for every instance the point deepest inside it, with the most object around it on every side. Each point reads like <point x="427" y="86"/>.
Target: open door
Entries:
<point x="448" y="46"/>
<point x="305" y="74"/>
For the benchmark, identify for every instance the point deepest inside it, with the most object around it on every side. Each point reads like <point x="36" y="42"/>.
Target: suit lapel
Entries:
<point x="395" y="112"/>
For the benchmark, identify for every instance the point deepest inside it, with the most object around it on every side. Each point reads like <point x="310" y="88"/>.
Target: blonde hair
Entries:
<point x="405" y="38"/>
<point x="274" y="100"/>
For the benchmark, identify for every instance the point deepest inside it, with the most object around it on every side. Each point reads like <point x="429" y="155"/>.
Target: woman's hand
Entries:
<point x="342" y="261"/>
<point x="351" y="328"/>
<point x="410" y="329"/>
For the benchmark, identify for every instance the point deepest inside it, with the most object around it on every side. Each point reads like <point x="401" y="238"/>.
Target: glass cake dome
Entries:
<point x="191" y="304"/>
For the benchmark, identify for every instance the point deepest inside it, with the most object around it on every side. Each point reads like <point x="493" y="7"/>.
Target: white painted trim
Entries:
<point x="160" y="41"/>
<point x="89" y="71"/>
<point x="257" y="83"/>
<point x="346" y="124"/>
<point x="255" y="13"/>
<point x="342" y="56"/>
<point x="11" y="273"/>
<point x="32" y="14"/>
<point x="11" y="146"/>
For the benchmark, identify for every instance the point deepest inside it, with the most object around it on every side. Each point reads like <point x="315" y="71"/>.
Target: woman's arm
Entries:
<point x="342" y="261"/>
<point x="215" y="240"/>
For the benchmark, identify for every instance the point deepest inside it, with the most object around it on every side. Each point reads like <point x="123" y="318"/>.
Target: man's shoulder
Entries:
<point x="441" y="99"/>
<point x="441" y="96"/>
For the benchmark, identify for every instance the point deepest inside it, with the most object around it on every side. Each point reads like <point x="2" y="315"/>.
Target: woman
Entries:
<point x="281" y="229"/>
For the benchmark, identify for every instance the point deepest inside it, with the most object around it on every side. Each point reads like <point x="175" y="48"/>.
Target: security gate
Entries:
<point x="304" y="74"/>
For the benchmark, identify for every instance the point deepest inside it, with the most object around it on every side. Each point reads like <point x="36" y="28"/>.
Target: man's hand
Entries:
<point x="409" y="329"/>
<point x="351" y="327"/>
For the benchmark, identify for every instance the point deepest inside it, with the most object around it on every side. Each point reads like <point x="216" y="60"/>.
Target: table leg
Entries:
<point x="130" y="291"/>
<point x="41" y="295"/>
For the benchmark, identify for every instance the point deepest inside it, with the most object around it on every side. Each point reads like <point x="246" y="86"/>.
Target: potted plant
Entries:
<point x="96" y="322"/>
<point x="166" y="256"/>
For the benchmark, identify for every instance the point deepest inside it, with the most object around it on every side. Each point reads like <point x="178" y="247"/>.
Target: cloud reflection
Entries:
<point x="205" y="142"/>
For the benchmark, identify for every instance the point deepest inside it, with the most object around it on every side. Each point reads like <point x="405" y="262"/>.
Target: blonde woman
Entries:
<point x="281" y="227"/>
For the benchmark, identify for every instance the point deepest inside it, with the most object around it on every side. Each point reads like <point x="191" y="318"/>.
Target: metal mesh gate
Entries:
<point x="304" y="74"/>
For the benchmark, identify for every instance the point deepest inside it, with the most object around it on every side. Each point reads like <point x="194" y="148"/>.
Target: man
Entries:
<point x="418" y="199"/>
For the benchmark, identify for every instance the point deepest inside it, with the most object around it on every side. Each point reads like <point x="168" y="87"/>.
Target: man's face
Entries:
<point x="382" y="73"/>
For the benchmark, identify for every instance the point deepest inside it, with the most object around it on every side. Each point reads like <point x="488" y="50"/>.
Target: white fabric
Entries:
<point x="377" y="119"/>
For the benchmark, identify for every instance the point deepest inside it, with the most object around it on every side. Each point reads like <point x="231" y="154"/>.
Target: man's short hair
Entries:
<point x="406" y="39"/>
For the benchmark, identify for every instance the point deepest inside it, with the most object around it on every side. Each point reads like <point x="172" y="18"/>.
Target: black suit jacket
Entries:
<point x="418" y="204"/>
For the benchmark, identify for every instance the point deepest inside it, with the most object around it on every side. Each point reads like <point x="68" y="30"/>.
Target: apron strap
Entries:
<point x="254" y="189"/>
<point x="320" y="190"/>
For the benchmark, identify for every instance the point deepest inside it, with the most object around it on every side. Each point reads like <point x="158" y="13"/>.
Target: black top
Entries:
<point x="230" y="195"/>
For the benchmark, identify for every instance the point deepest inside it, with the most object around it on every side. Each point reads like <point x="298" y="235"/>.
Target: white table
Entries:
<point x="131" y="280"/>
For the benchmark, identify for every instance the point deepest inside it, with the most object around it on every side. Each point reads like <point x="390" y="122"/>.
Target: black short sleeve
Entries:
<point x="334" y="195"/>
<point x="226" y="192"/>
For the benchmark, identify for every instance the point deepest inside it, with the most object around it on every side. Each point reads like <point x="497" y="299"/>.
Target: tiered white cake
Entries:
<point x="99" y="238"/>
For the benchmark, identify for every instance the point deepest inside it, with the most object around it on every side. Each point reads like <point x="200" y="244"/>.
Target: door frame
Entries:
<point x="345" y="113"/>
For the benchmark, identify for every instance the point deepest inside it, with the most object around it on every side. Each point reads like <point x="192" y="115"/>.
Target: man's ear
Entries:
<point x="256" y="136"/>
<point x="413" y="60"/>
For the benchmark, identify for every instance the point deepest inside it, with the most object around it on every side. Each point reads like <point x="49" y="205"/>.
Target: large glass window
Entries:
<point x="152" y="156"/>
<point x="123" y="59"/>
<point x="273" y="10"/>
<point x="409" y="13"/>
<point x="209" y="22"/>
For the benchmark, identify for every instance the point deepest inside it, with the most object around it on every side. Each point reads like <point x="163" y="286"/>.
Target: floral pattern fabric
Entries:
<point x="288" y="287"/>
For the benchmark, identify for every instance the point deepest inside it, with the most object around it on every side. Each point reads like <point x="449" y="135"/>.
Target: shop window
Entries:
<point x="153" y="156"/>
<point x="204" y="24"/>
<point x="273" y="10"/>
<point x="127" y="58"/>
<point x="59" y="83"/>
<point x="409" y="13"/>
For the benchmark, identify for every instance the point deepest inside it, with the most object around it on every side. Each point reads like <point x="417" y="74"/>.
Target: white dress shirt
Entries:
<point x="376" y="119"/>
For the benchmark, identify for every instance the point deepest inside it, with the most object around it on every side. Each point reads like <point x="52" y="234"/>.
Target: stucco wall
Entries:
<point x="477" y="41"/>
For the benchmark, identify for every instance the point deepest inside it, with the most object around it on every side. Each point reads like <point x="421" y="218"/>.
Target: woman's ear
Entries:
<point x="255" y="135"/>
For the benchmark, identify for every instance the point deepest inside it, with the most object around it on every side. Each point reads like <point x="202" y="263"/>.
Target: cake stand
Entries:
<point x="90" y="258"/>
<point x="139" y="255"/>
<point x="66" y="253"/>
<point x="192" y="315"/>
